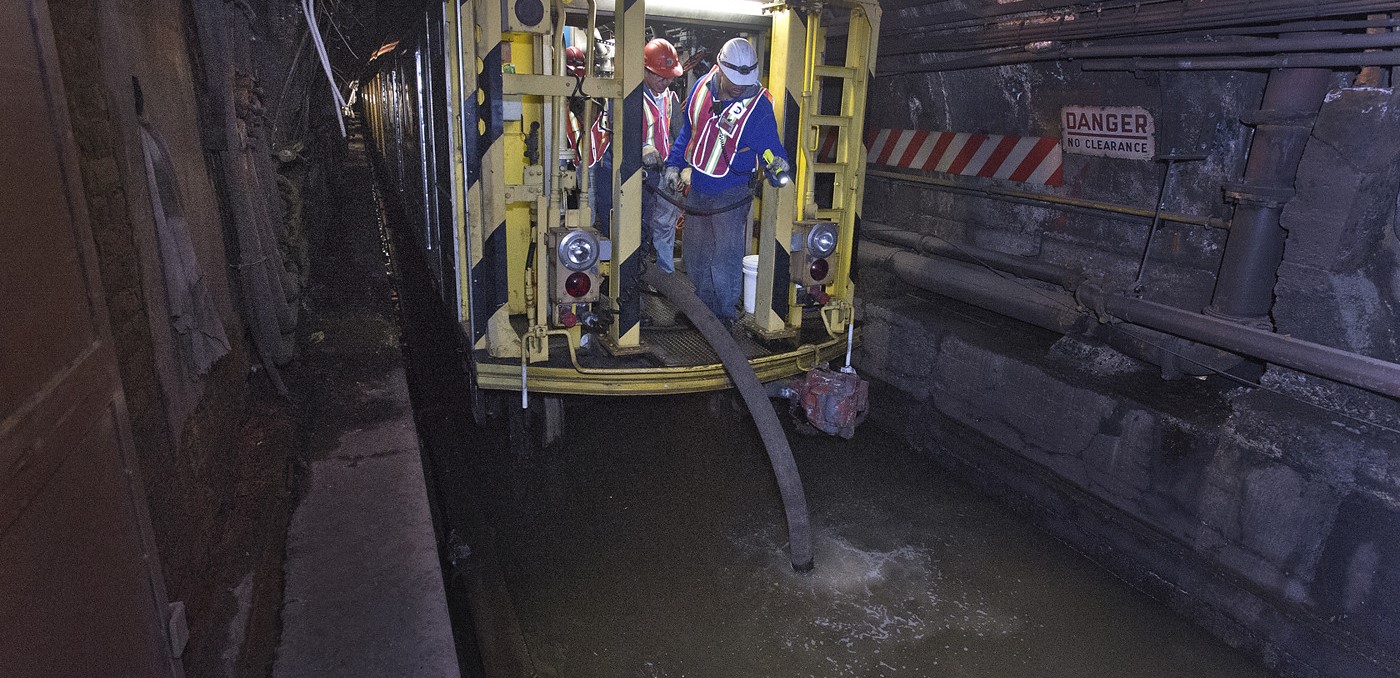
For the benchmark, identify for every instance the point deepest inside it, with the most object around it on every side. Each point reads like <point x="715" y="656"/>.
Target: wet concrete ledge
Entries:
<point x="364" y="593"/>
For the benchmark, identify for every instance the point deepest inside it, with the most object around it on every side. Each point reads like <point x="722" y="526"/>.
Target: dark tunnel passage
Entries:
<point x="1098" y="304"/>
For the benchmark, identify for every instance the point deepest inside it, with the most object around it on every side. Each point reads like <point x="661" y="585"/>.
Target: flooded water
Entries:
<point x="651" y="543"/>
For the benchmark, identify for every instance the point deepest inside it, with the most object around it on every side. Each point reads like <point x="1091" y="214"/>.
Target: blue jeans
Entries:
<point x="600" y="190"/>
<point x="714" y="249"/>
<point x="659" y="221"/>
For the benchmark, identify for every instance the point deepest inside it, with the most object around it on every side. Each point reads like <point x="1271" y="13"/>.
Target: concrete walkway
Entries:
<point x="363" y="593"/>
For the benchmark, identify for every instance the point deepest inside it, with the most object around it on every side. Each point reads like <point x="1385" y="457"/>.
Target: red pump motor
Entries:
<point x="834" y="402"/>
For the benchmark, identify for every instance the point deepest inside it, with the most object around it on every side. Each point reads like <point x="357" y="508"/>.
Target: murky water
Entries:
<point x="652" y="544"/>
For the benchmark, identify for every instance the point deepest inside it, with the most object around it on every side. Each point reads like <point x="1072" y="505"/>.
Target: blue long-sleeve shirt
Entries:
<point x="760" y="134"/>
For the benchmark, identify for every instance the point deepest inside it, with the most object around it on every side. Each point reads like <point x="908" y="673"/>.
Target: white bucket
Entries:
<point x="750" y="281"/>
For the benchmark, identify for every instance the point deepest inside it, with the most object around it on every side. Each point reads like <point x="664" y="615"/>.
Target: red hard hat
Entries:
<point x="574" y="61"/>
<point x="660" y="58"/>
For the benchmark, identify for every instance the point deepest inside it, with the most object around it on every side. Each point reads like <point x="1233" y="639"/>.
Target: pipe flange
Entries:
<point x="1261" y="322"/>
<point x="1246" y="193"/>
<point x="1091" y="297"/>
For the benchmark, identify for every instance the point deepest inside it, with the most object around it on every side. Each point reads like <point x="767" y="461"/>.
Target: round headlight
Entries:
<point x="821" y="241"/>
<point x="578" y="250"/>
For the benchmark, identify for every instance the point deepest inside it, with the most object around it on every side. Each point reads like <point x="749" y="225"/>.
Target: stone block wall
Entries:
<point x="1264" y="519"/>
<point x="1193" y="113"/>
<point x="1266" y="513"/>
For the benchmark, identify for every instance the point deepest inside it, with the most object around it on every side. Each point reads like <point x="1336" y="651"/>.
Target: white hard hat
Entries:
<point x="739" y="62"/>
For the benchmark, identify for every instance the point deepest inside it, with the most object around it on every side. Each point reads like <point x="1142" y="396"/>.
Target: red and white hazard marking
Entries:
<point x="1031" y="160"/>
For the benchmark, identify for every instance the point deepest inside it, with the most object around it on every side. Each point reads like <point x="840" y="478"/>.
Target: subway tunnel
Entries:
<point x="336" y="345"/>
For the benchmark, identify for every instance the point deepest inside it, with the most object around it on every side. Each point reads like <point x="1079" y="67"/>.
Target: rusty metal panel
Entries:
<point x="80" y="592"/>
<point x="43" y="295"/>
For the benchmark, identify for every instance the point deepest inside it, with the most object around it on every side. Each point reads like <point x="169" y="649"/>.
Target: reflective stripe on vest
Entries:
<point x="714" y="139"/>
<point x="598" y="138"/>
<point x="658" y="109"/>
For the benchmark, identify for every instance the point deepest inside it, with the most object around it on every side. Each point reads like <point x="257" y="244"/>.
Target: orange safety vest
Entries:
<point x="598" y="138"/>
<point x="714" y="138"/>
<point x="657" y="112"/>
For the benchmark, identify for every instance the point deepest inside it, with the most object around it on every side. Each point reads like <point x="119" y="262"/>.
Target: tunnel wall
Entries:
<point x="1269" y="515"/>
<point x="212" y="478"/>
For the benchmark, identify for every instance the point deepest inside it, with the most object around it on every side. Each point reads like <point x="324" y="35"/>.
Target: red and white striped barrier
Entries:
<point x="1031" y="160"/>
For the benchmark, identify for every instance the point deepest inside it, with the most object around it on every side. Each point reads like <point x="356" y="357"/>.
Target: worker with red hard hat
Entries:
<point x="575" y="64"/>
<point x="659" y="217"/>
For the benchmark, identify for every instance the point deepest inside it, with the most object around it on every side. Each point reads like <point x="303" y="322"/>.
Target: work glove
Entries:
<point x="779" y="166"/>
<point x="650" y="156"/>
<point x="671" y="179"/>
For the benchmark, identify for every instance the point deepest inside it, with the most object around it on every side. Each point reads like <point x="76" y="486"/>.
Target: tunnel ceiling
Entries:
<point x="969" y="26"/>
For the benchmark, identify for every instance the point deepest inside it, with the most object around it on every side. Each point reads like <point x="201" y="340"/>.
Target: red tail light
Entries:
<point x="578" y="284"/>
<point x="819" y="269"/>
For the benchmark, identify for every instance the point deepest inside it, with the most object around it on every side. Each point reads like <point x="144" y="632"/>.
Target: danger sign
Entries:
<point x="1108" y="132"/>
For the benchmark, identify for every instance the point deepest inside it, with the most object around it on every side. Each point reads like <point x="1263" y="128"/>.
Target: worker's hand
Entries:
<point x="779" y="166"/>
<point x="650" y="156"/>
<point x="671" y="179"/>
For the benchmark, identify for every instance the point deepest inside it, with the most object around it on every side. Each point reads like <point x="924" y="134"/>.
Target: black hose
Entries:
<point x="665" y="195"/>
<point x="756" y="398"/>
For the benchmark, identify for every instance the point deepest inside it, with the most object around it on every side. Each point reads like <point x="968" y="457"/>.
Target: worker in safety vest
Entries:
<point x="659" y="217"/>
<point x="599" y="160"/>
<point x="727" y="128"/>
<point x="599" y="138"/>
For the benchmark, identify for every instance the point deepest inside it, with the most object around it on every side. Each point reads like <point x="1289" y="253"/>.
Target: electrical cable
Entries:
<point x="309" y="10"/>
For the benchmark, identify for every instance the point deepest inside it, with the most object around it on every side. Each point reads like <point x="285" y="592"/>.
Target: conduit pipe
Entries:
<point x="1125" y="20"/>
<point x="1025" y="267"/>
<point x="1136" y="53"/>
<point x="1365" y="372"/>
<point x="1386" y="58"/>
<point x="1055" y="311"/>
<point x="308" y="8"/>
<point x="1041" y="199"/>
<point x="1060" y="312"/>
<point x="1048" y="309"/>
<point x="1244" y="287"/>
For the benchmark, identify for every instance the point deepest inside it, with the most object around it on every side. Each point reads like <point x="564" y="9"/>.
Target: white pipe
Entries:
<point x="850" y="339"/>
<point x="308" y="9"/>
<point x="524" y="360"/>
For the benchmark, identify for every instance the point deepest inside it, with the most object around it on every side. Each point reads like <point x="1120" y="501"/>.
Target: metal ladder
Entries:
<point x="833" y="145"/>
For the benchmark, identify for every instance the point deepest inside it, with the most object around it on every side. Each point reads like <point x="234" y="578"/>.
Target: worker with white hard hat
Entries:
<point x="728" y="127"/>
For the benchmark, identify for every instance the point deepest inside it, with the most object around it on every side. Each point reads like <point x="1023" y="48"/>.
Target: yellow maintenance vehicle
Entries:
<point x="483" y="123"/>
<point x="472" y="121"/>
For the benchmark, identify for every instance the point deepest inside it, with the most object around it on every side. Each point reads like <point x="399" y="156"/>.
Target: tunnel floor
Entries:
<point x="650" y="542"/>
